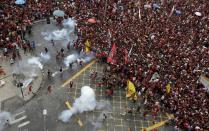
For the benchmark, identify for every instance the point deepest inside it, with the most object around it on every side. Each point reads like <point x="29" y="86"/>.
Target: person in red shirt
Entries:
<point x="49" y="89"/>
<point x="30" y="89"/>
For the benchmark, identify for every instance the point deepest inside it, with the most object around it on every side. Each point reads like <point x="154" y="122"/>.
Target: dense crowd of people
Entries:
<point x="17" y="20"/>
<point x="171" y="46"/>
<point x="158" y="43"/>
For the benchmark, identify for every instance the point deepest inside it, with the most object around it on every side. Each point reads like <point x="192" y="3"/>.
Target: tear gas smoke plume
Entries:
<point x="4" y="116"/>
<point x="44" y="57"/>
<point x="70" y="59"/>
<point x="86" y="102"/>
<point x="66" y="34"/>
<point x="35" y="62"/>
<point x="30" y="66"/>
<point x="77" y="58"/>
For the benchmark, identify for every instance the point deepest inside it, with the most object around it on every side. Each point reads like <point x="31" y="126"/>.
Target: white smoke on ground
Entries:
<point x="66" y="34"/>
<point x="103" y="105"/>
<point x="70" y="59"/>
<point x="35" y="62"/>
<point x="98" y="123"/>
<point x="69" y="23"/>
<point x="56" y="35"/>
<point x="88" y="58"/>
<point x="29" y="68"/>
<point x="75" y="58"/>
<point x="4" y="116"/>
<point x="86" y="102"/>
<point x="45" y="56"/>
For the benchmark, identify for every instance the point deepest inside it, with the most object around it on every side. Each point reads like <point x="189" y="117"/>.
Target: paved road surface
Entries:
<point x="29" y="117"/>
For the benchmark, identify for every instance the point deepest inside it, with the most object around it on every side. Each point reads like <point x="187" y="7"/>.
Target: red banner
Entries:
<point x="111" y="54"/>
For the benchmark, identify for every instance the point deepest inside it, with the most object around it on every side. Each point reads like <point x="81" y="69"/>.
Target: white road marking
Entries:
<point x="19" y="119"/>
<point x="15" y="115"/>
<point x="23" y="124"/>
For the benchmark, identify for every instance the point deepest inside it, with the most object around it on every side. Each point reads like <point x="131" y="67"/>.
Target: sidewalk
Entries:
<point x="10" y="90"/>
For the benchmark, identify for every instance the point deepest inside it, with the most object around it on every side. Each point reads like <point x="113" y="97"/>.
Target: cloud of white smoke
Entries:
<point x="30" y="68"/>
<point x="69" y="23"/>
<point x="4" y="116"/>
<point x="88" y="58"/>
<point x="66" y="34"/>
<point x="56" y="35"/>
<point x="45" y="56"/>
<point x="70" y="59"/>
<point x="35" y="62"/>
<point x="86" y="102"/>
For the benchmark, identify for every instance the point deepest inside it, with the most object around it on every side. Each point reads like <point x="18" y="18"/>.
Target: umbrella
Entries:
<point x="59" y="13"/>
<point x="20" y="2"/>
<point x="92" y="20"/>
<point x="198" y="14"/>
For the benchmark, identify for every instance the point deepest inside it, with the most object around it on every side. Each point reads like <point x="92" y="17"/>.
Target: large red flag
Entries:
<point x="111" y="54"/>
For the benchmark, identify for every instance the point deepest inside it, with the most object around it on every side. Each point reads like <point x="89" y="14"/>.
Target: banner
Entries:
<point x="168" y="88"/>
<point x="88" y="45"/>
<point x="110" y="58"/>
<point x="131" y="91"/>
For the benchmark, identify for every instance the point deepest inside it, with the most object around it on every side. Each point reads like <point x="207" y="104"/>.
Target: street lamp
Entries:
<point x="44" y="114"/>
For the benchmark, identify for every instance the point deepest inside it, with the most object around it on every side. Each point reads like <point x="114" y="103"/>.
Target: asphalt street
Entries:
<point x="29" y="115"/>
<point x="54" y="101"/>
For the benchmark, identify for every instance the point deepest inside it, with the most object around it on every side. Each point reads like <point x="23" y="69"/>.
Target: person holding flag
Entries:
<point x="87" y="46"/>
<point x="168" y="88"/>
<point x="112" y="54"/>
<point x="131" y="91"/>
